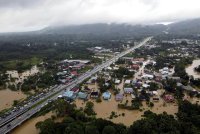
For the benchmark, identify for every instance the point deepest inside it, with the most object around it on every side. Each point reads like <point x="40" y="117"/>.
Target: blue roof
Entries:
<point x="82" y="95"/>
<point x="106" y="95"/>
<point x="69" y="94"/>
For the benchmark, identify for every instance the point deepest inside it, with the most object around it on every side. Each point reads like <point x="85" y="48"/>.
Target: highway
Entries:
<point x="17" y="118"/>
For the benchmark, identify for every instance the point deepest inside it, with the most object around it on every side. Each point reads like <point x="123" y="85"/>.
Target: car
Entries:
<point x="8" y="125"/>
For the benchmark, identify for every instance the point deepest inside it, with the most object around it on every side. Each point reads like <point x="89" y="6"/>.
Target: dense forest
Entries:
<point x="20" y="52"/>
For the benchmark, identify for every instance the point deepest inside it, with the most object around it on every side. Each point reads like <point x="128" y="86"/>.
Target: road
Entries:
<point x="17" y="119"/>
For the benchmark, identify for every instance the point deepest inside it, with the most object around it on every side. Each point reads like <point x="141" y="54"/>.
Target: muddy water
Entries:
<point x="105" y="108"/>
<point x="20" y="77"/>
<point x="7" y="97"/>
<point x="28" y="127"/>
<point x="190" y="69"/>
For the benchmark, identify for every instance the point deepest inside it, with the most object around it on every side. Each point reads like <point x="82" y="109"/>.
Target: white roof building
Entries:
<point x="127" y="81"/>
<point x="117" y="81"/>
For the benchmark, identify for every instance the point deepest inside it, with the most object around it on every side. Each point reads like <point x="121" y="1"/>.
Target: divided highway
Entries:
<point x="17" y="118"/>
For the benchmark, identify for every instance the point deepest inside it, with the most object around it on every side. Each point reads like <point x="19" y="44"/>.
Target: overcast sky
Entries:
<point x="26" y="15"/>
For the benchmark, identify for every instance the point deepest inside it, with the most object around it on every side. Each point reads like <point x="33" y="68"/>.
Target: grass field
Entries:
<point x="20" y="65"/>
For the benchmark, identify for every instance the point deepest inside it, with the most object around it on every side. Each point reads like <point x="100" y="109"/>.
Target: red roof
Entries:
<point x="74" y="73"/>
<point x="75" y="89"/>
<point x="135" y="66"/>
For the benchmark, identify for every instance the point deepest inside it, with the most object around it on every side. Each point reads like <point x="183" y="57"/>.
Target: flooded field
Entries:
<point x="7" y="97"/>
<point x="190" y="69"/>
<point x="105" y="108"/>
<point x="28" y="127"/>
<point x="20" y="77"/>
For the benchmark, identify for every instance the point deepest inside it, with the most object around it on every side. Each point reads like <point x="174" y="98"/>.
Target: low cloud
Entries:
<point x="26" y="15"/>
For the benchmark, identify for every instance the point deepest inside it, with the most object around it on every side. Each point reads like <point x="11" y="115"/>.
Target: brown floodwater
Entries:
<point x="7" y="97"/>
<point x="190" y="69"/>
<point x="105" y="108"/>
<point x="20" y="77"/>
<point x="28" y="127"/>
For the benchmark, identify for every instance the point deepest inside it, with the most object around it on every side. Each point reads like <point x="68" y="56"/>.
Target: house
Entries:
<point x="69" y="95"/>
<point x="109" y="68"/>
<point x="75" y="89"/>
<point x="86" y="89"/>
<point x="166" y="69"/>
<point x="155" y="93"/>
<point x="138" y="60"/>
<point x="117" y="81"/>
<point x="74" y="73"/>
<point x="127" y="82"/>
<point x="82" y="95"/>
<point x="147" y="76"/>
<point x="78" y="66"/>
<point x="94" y="95"/>
<point x="135" y="67"/>
<point x="187" y="88"/>
<point x="133" y="96"/>
<point x="179" y="84"/>
<point x="142" y="97"/>
<point x="106" y="95"/>
<point x="128" y="90"/>
<point x="156" y="99"/>
<point x="145" y="85"/>
<point x="98" y="48"/>
<point x="177" y="79"/>
<point x="168" y="98"/>
<point x="119" y="97"/>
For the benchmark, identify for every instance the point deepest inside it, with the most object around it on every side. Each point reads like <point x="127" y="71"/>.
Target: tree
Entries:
<point x="74" y="128"/>
<point x="89" y="108"/>
<point x="109" y="130"/>
<point x="90" y="129"/>
<point x="15" y="102"/>
<point x="46" y="127"/>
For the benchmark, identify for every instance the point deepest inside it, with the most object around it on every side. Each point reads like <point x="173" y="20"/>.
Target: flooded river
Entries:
<point x="190" y="69"/>
<point x="28" y="127"/>
<point x="7" y="97"/>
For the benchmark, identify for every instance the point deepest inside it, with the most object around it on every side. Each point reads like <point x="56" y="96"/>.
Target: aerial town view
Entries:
<point x="100" y="67"/>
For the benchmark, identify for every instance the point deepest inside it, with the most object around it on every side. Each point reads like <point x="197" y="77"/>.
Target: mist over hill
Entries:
<point x="185" y="27"/>
<point x="102" y="28"/>
<point x="104" y="31"/>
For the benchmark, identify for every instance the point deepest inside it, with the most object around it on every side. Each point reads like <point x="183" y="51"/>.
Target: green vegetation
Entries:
<point x="98" y="100"/>
<point x="89" y="108"/>
<point x="135" y="105"/>
<point x="41" y="80"/>
<point x="3" y="79"/>
<point x="153" y="86"/>
<point x="12" y="87"/>
<point x="195" y="82"/>
<point x="20" y="65"/>
<point x="122" y="72"/>
<point x="113" y="115"/>
<point x="15" y="103"/>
